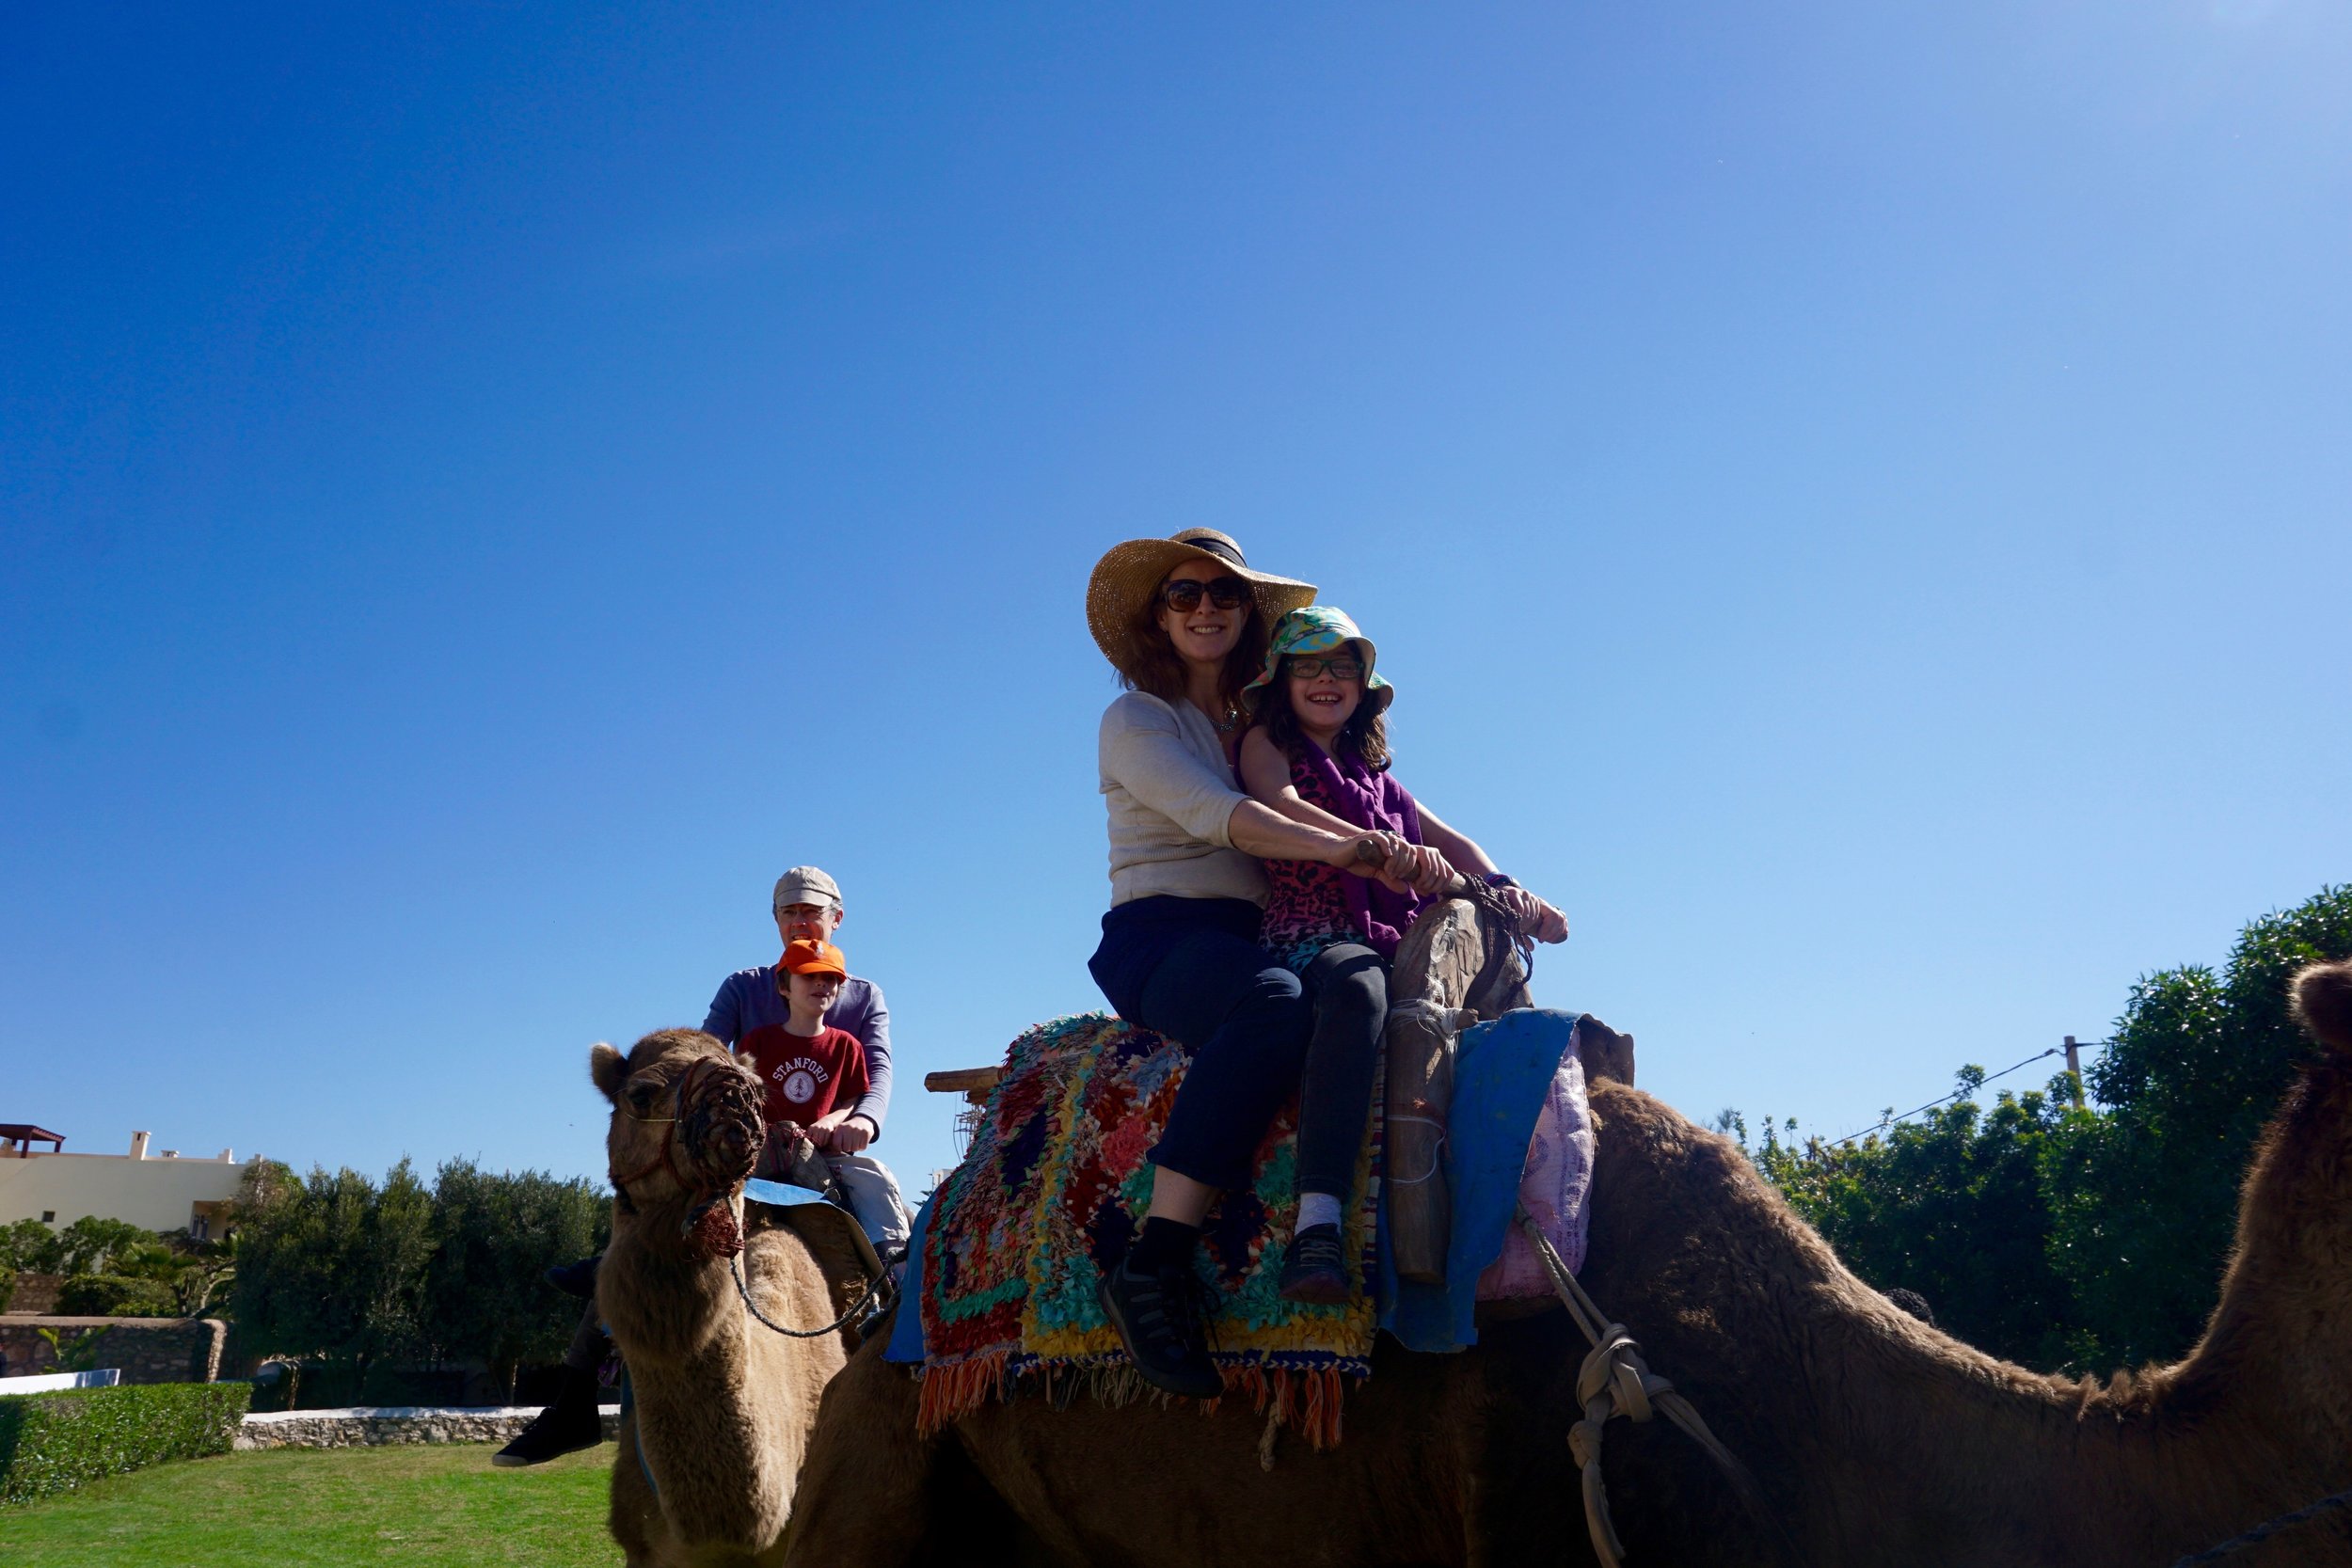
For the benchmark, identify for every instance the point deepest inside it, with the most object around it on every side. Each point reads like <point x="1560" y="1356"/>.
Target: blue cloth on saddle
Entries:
<point x="906" y="1328"/>
<point x="1500" y="1073"/>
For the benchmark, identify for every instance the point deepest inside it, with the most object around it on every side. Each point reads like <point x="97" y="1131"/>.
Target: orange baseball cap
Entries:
<point x="815" y="958"/>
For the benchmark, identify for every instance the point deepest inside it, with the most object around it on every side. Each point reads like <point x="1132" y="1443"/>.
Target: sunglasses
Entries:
<point x="1183" y="596"/>
<point x="1337" y="669"/>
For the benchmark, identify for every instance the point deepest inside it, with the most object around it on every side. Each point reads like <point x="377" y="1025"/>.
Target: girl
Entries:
<point x="1183" y="621"/>
<point x="1319" y="755"/>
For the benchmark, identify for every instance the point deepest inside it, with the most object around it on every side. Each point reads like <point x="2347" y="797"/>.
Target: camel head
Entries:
<point x="686" y="1128"/>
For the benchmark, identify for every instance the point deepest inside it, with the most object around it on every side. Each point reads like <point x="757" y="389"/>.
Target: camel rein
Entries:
<point x="1613" y="1381"/>
<point x="874" y="1283"/>
<point x="2267" y="1528"/>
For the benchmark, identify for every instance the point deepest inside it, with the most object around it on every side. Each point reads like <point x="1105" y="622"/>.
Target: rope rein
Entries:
<point x="1613" y="1381"/>
<point x="2267" y="1528"/>
<point x="873" y="1283"/>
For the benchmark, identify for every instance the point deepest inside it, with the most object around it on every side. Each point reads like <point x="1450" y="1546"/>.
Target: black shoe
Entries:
<point x="570" y="1424"/>
<point x="1159" y="1316"/>
<point x="1317" y="1269"/>
<point x="575" y="1279"/>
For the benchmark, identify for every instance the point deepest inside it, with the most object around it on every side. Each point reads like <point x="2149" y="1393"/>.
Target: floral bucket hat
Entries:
<point x="1318" y="628"/>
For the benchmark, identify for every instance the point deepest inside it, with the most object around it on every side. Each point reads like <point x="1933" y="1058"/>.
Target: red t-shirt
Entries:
<point x="807" y="1075"/>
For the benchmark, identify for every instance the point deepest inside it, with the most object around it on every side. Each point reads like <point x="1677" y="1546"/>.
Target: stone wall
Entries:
<point x="372" y="1428"/>
<point x="35" y="1293"/>
<point x="148" y="1350"/>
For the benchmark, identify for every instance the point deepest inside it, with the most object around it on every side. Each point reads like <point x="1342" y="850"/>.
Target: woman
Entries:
<point x="1184" y="621"/>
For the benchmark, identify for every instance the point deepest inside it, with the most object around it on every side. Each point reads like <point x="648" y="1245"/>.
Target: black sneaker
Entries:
<point x="1159" y="1318"/>
<point x="570" y="1424"/>
<point x="575" y="1279"/>
<point x="1317" y="1269"/>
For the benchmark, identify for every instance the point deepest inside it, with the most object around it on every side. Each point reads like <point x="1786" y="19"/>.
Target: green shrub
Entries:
<point x="114" y="1295"/>
<point x="52" y="1443"/>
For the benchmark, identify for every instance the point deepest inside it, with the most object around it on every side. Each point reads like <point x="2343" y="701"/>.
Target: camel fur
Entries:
<point x="723" y="1407"/>
<point x="1875" y="1438"/>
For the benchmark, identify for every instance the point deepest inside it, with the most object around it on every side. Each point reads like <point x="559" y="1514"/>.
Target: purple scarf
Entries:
<point x="1373" y="800"/>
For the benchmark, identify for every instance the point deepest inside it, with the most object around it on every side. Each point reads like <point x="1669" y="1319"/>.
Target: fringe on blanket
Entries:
<point x="1305" y="1400"/>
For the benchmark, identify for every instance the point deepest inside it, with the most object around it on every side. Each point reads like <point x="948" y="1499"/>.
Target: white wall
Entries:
<point x="153" y="1194"/>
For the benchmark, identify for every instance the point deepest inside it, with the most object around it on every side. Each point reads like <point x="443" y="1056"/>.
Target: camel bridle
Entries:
<point x="699" y="1189"/>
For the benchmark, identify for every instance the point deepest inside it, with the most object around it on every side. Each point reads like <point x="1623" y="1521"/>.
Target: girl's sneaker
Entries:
<point x="1316" y="1270"/>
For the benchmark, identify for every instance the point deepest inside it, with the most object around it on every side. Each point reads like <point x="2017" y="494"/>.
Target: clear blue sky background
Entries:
<point x="1854" y="499"/>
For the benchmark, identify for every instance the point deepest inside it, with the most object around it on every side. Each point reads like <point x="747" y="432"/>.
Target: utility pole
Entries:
<point x="2075" y="1068"/>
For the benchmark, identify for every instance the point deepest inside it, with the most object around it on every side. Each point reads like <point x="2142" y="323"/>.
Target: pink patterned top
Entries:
<point x="1313" y="906"/>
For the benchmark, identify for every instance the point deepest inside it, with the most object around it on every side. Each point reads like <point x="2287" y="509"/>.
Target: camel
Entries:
<point x="1874" y="1437"/>
<point x="722" y="1406"/>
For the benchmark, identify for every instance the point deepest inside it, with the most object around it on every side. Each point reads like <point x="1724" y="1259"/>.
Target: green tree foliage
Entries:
<point x="338" y="1271"/>
<point x="494" y="1236"/>
<point x="1950" y="1206"/>
<point x="95" y="1246"/>
<point x="2144" y="1197"/>
<point x="31" y="1247"/>
<point x="333" y="1265"/>
<point x="2084" y="1240"/>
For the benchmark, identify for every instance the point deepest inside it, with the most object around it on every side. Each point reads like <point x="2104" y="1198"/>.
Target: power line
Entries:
<point x="1885" y="1122"/>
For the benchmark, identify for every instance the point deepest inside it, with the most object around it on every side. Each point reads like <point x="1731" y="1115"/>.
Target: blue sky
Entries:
<point x="1853" y="501"/>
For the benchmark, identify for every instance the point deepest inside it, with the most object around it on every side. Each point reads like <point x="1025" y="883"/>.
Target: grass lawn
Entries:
<point x="436" y="1503"/>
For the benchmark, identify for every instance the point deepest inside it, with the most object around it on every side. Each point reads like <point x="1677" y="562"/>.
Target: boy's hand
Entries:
<point x="843" y="1131"/>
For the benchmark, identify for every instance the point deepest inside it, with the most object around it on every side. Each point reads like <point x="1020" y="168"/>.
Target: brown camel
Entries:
<point x="722" y="1406"/>
<point x="1875" y="1438"/>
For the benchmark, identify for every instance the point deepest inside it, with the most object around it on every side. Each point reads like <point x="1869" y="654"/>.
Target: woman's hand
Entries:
<point x="1535" y="917"/>
<point x="1396" y="862"/>
<point x="1430" y="873"/>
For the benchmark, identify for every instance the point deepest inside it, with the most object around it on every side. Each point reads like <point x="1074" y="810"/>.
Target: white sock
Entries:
<point x="1316" y="1209"/>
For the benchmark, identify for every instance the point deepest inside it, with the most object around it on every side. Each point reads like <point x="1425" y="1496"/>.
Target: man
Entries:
<point x="750" y="1005"/>
<point x="752" y="1013"/>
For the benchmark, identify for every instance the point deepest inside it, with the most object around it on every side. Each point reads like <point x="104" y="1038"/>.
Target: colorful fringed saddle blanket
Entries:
<point x="1049" y="1193"/>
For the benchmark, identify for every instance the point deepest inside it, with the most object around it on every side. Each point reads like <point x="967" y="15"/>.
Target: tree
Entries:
<point x="2144" y="1197"/>
<point x="92" y="1245"/>
<point x="494" y="1236"/>
<point x="2082" y="1239"/>
<point x="333" y="1266"/>
<point x="1950" y="1206"/>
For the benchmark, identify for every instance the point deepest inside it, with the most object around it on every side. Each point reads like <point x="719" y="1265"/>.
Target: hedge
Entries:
<point x="111" y="1295"/>
<point x="54" y="1442"/>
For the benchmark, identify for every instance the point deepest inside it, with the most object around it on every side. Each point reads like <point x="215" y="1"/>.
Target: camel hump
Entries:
<point x="2323" y="1004"/>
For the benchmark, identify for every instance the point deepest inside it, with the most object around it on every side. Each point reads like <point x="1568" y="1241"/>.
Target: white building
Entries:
<point x="163" y="1191"/>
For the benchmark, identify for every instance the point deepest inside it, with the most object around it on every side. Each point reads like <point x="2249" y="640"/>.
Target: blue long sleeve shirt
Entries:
<point x="750" y="999"/>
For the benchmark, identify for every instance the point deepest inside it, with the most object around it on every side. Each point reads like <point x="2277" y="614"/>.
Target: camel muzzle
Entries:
<point x="709" y="1143"/>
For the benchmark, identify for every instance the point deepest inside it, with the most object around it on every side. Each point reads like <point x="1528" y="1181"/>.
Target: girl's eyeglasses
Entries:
<point x="1337" y="669"/>
<point x="1183" y="596"/>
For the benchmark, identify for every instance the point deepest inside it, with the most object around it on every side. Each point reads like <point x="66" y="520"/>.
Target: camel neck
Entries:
<point x="722" y="1410"/>
<point x="2280" y="1343"/>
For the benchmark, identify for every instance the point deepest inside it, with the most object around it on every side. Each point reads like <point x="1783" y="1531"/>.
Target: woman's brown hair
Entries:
<point x="1153" y="665"/>
<point x="1364" y="736"/>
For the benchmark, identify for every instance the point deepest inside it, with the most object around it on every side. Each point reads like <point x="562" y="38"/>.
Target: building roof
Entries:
<point x="27" y="1130"/>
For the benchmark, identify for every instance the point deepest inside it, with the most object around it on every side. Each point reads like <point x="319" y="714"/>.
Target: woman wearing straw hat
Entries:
<point x="1183" y="620"/>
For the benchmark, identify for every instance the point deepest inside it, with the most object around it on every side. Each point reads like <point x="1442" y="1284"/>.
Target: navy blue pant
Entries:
<point x="1349" y="986"/>
<point x="1192" y="969"/>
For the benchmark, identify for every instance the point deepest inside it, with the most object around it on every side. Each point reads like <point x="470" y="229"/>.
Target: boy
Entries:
<point x="816" y="1076"/>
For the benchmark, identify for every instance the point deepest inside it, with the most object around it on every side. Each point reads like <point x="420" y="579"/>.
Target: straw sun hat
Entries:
<point x="1131" y="573"/>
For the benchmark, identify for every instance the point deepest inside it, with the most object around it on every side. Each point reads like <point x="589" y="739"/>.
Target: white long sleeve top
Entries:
<point x="1170" y="794"/>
